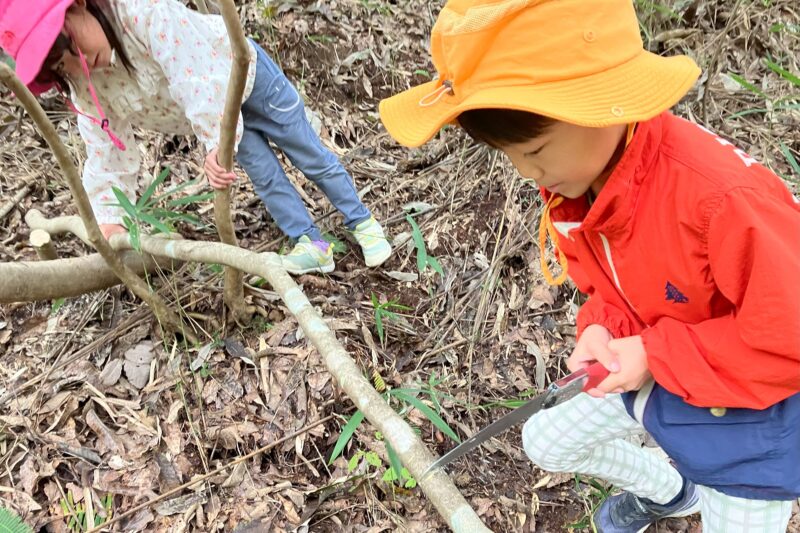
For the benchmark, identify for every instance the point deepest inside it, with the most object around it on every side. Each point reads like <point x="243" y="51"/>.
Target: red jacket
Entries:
<point x="696" y="247"/>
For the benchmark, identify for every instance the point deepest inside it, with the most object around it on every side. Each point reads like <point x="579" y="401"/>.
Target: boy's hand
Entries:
<point x="111" y="229"/>
<point x="593" y="346"/>
<point x="629" y="358"/>
<point x="218" y="177"/>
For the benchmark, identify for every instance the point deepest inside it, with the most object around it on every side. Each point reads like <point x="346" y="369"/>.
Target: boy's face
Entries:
<point x="568" y="159"/>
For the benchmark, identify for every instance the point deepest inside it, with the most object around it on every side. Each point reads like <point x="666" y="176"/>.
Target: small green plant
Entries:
<point x="597" y="494"/>
<point x="57" y="304"/>
<point x="339" y="246"/>
<point x="11" y="523"/>
<point x="405" y="399"/>
<point x="157" y="211"/>
<point x="75" y="513"/>
<point x="423" y="259"/>
<point x="385" y="311"/>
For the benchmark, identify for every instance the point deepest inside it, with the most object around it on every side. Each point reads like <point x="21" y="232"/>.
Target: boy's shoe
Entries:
<point x="374" y="245"/>
<point x="309" y="256"/>
<point x="627" y="513"/>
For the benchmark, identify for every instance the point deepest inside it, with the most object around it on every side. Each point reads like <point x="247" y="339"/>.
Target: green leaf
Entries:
<point x="353" y="462"/>
<point x="432" y="415"/>
<point x="153" y="221"/>
<point x="56" y="305"/>
<point x="419" y="243"/>
<point x="783" y="72"/>
<point x="11" y="523"/>
<point x="434" y="263"/>
<point x="373" y="459"/>
<point x="394" y="460"/>
<point x="790" y="158"/>
<point x="152" y="188"/>
<point x="135" y="234"/>
<point x="176" y="189"/>
<point x="379" y="323"/>
<point x="195" y="198"/>
<point x="124" y="203"/>
<point x="746" y="84"/>
<point x="347" y="434"/>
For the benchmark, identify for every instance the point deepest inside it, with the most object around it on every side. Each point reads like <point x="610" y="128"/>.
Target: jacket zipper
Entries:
<point x="643" y="394"/>
<point x="607" y="250"/>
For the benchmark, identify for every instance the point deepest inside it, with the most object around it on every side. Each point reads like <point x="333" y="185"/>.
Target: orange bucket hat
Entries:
<point x="577" y="61"/>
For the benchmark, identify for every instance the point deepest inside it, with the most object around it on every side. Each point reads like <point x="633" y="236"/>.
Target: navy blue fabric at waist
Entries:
<point x="746" y="453"/>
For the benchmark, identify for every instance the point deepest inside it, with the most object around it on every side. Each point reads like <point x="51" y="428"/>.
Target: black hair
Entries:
<point x="501" y="127"/>
<point x="97" y="8"/>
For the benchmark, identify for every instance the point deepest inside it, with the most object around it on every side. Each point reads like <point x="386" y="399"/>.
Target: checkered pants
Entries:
<point x="587" y="435"/>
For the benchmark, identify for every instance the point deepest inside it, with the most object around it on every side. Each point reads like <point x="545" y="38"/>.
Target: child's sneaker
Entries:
<point x="309" y="256"/>
<point x="374" y="245"/>
<point x="627" y="513"/>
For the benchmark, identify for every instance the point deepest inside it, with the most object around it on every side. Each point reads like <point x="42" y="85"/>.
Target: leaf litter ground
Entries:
<point x="97" y="403"/>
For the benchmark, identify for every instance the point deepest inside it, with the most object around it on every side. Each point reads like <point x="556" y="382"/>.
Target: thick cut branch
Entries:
<point x="234" y="283"/>
<point x="437" y="486"/>
<point x="40" y="240"/>
<point x="64" y="278"/>
<point x="167" y="318"/>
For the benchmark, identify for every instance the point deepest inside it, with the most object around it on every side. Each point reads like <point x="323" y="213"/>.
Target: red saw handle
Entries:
<point x="597" y="373"/>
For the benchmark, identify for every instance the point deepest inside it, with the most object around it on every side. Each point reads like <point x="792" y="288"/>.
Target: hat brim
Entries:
<point x="34" y="49"/>
<point x="634" y="91"/>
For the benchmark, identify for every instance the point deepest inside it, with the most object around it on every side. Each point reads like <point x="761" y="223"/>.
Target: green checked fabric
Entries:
<point x="588" y="435"/>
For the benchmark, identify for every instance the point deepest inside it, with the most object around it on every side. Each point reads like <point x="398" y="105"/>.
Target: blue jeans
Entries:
<point x="274" y="111"/>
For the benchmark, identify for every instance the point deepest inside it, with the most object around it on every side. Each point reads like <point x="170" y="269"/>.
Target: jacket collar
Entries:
<point x="614" y="207"/>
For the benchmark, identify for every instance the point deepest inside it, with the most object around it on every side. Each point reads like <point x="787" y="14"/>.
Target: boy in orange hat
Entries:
<point x="688" y="248"/>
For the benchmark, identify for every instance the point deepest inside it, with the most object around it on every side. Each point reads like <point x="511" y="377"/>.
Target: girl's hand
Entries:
<point x="629" y="357"/>
<point x="218" y="177"/>
<point x="111" y="229"/>
<point x="592" y="346"/>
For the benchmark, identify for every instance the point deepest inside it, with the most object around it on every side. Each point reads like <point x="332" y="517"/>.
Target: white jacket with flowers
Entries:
<point x="182" y="62"/>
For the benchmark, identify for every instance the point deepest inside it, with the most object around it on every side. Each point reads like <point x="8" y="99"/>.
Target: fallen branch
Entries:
<point x="234" y="280"/>
<point x="8" y="206"/>
<point x="41" y="242"/>
<point x="211" y="474"/>
<point x="438" y="487"/>
<point x="163" y="313"/>
<point x="65" y="278"/>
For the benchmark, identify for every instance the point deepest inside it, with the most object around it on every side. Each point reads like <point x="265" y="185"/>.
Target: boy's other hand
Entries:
<point x="218" y="177"/>
<point x="630" y="358"/>
<point x="111" y="229"/>
<point x="592" y="346"/>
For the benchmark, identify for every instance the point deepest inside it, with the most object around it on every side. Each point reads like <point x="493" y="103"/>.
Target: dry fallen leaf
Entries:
<point x="137" y="363"/>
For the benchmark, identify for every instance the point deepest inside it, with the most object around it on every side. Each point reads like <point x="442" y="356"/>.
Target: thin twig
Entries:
<point x="8" y="206"/>
<point x="234" y="279"/>
<point x="213" y="473"/>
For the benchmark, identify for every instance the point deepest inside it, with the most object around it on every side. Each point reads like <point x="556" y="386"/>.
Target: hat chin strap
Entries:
<point x="102" y="121"/>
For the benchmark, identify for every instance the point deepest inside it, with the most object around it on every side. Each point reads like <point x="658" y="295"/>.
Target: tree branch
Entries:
<point x="437" y="486"/>
<point x="234" y="283"/>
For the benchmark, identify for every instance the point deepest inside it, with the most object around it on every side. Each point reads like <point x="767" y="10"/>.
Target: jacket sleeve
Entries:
<point x="107" y="167"/>
<point x="751" y="357"/>
<point x="195" y="54"/>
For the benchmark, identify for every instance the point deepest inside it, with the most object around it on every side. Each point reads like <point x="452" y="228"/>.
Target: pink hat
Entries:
<point x="28" y="29"/>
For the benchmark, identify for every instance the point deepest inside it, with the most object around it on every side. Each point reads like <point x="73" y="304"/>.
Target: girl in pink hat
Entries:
<point x="157" y="65"/>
